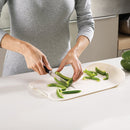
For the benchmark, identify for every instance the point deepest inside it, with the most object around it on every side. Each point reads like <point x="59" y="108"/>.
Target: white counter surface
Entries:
<point x="19" y="110"/>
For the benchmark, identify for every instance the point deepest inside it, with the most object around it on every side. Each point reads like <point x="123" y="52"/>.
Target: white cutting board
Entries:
<point x="116" y="75"/>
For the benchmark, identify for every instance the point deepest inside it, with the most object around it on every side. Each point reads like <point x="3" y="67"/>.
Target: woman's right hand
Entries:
<point x="35" y="60"/>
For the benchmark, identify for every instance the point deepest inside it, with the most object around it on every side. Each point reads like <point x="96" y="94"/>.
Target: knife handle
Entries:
<point x="46" y="69"/>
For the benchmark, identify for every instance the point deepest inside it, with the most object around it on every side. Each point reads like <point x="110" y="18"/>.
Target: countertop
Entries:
<point x="20" y="110"/>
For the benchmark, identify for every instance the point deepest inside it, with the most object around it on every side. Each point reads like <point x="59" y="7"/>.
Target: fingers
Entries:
<point x="35" y="60"/>
<point x="61" y="66"/>
<point x="76" y="66"/>
<point x="77" y="70"/>
<point x="40" y="64"/>
<point x="46" y="63"/>
<point x="35" y="68"/>
<point x="39" y="68"/>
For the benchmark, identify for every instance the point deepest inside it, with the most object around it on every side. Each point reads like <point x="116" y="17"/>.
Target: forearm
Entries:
<point x="81" y="43"/>
<point x="34" y="58"/>
<point x="10" y="43"/>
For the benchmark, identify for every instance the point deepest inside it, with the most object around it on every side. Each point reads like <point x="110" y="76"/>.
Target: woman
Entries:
<point x="40" y="35"/>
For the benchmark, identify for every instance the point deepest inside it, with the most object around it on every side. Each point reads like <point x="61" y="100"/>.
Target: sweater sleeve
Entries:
<point x="85" y="21"/>
<point x="2" y="32"/>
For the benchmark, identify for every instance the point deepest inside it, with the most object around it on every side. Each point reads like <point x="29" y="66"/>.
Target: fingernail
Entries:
<point x="74" y="79"/>
<point x="58" y="69"/>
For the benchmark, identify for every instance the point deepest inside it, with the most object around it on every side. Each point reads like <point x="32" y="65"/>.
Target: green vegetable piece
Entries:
<point x="93" y="78"/>
<point x="90" y="73"/>
<point x="52" y="85"/>
<point x="100" y="71"/>
<point x="126" y="55"/>
<point x="57" y="85"/>
<point x="61" y="82"/>
<point x="107" y="77"/>
<point x="62" y="76"/>
<point x="94" y="73"/>
<point x="71" y="92"/>
<point x="59" y="93"/>
<point x="69" y="82"/>
<point x="125" y="64"/>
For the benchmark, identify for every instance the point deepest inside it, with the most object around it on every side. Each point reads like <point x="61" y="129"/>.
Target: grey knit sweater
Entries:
<point x="44" y="24"/>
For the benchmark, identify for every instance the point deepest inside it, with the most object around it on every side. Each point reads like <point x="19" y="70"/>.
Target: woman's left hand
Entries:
<point x="71" y="58"/>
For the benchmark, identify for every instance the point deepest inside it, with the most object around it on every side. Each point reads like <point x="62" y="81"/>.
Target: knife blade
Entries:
<point x="51" y="73"/>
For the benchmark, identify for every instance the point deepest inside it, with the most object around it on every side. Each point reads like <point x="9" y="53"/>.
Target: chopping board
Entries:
<point x="116" y="76"/>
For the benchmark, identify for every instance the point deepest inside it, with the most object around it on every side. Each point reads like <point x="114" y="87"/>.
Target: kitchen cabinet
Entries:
<point x="123" y="42"/>
<point x="104" y="43"/>
<point x="124" y="34"/>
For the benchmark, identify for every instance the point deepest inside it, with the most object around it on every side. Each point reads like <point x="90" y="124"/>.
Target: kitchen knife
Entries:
<point x="51" y="73"/>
